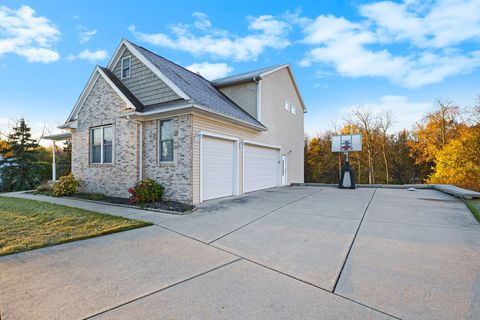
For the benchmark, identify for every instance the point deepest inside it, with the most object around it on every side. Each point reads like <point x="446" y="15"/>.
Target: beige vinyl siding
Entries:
<point x="285" y="130"/>
<point x="243" y="94"/>
<point x="143" y="83"/>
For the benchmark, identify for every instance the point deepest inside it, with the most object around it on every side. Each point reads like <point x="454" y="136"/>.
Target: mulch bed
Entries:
<point x="159" y="205"/>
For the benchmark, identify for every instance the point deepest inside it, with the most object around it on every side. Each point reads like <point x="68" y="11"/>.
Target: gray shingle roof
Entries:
<point x="198" y="89"/>
<point x="119" y="84"/>
<point x="244" y="76"/>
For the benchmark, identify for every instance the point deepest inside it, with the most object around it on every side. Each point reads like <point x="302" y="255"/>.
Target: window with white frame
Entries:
<point x="287" y="105"/>
<point x="126" y="67"/>
<point x="101" y="144"/>
<point x="165" y="143"/>
<point x="293" y="110"/>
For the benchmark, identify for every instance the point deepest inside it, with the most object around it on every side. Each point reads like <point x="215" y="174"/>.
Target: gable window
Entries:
<point x="287" y="105"/>
<point x="166" y="140"/>
<point x="102" y="147"/>
<point x="126" y="67"/>
<point x="293" y="110"/>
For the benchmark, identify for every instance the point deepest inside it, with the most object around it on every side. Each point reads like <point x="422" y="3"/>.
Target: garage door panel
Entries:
<point x="218" y="168"/>
<point x="261" y="169"/>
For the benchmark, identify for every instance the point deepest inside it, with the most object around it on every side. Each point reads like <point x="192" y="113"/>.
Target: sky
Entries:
<point x="383" y="56"/>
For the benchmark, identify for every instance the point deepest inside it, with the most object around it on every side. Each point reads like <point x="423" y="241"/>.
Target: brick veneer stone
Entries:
<point x="103" y="106"/>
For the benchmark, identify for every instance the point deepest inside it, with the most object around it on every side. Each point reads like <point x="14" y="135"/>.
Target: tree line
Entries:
<point x="24" y="163"/>
<point x="442" y="147"/>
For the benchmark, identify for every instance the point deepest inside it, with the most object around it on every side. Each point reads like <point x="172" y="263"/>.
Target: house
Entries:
<point x="144" y="116"/>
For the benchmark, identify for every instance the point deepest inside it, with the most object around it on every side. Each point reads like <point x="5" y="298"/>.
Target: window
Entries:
<point x="293" y="110"/>
<point x="166" y="141"/>
<point x="102" y="147"/>
<point x="126" y="64"/>
<point x="287" y="106"/>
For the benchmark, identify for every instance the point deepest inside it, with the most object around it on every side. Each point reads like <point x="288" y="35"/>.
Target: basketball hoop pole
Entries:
<point x="347" y="179"/>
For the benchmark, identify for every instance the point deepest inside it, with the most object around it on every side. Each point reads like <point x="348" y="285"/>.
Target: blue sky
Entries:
<point x="397" y="56"/>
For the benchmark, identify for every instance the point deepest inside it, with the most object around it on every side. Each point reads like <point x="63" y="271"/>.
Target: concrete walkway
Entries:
<point x="284" y="253"/>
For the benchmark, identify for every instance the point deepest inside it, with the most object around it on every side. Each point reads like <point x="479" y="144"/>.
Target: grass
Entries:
<point x="474" y="206"/>
<point x="28" y="224"/>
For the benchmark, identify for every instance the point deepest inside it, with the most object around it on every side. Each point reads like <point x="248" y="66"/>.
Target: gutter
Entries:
<point x="140" y="124"/>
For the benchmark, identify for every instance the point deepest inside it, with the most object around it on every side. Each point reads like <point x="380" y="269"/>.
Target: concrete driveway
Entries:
<point x="284" y="253"/>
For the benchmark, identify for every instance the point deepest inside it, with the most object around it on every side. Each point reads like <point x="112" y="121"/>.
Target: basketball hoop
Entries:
<point x="347" y="143"/>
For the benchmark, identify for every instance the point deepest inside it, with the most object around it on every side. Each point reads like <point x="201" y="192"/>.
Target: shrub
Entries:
<point x="145" y="191"/>
<point x="44" y="187"/>
<point x="66" y="186"/>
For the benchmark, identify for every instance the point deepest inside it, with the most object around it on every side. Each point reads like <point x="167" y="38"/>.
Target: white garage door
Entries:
<point x="260" y="168"/>
<point x="218" y="168"/>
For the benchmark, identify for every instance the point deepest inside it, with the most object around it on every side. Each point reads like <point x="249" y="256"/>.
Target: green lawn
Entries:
<point x="474" y="206"/>
<point x="28" y="224"/>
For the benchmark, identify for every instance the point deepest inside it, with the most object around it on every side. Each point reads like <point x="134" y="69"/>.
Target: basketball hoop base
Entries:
<point x="347" y="180"/>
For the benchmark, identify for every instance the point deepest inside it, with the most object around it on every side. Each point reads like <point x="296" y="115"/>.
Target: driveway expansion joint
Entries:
<point x="263" y="216"/>
<point x="162" y="289"/>
<point x="353" y="241"/>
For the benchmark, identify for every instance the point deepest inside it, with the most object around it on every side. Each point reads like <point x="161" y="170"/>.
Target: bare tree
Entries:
<point x="385" y="122"/>
<point x="364" y="121"/>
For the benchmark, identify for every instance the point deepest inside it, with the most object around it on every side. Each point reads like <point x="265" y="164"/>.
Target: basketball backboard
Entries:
<point x="347" y="143"/>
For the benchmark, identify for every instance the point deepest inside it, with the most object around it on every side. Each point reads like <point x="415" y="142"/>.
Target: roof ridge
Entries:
<point x="162" y="57"/>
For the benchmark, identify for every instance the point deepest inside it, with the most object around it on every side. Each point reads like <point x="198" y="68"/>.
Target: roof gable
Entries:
<point x="125" y="44"/>
<point x="116" y="85"/>
<point x="257" y="75"/>
<point x="199" y="90"/>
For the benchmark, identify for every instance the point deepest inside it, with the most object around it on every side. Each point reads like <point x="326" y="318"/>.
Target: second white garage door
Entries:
<point x="218" y="168"/>
<point x="260" y="168"/>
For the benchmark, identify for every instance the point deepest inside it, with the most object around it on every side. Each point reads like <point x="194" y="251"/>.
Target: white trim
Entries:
<point x="217" y="135"/>
<point x="86" y="90"/>
<point x="102" y="156"/>
<point x="236" y="164"/>
<point x="159" y="155"/>
<point x="259" y="144"/>
<point x="293" y="80"/>
<point x="154" y="69"/>
<point x="201" y="167"/>
<point x="259" y="100"/>
<point x="243" y="167"/>
<point x="97" y="72"/>
<point x="197" y="107"/>
<point x="286" y="105"/>
<point x="129" y="67"/>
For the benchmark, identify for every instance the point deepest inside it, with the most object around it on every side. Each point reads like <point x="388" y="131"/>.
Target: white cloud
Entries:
<point x="28" y="35"/>
<point x="85" y="35"/>
<point x="437" y="24"/>
<point x="89" y="55"/>
<point x="405" y="113"/>
<point x="424" y="34"/>
<point x="211" y="71"/>
<point x="202" y="22"/>
<point x="266" y="32"/>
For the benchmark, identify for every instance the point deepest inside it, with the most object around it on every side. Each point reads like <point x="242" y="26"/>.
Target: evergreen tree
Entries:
<point x="18" y="168"/>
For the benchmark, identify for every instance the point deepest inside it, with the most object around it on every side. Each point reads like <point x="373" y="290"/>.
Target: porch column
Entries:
<point x="54" y="164"/>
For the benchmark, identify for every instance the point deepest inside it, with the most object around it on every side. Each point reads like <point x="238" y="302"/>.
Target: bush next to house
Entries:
<point x="66" y="186"/>
<point x="146" y="191"/>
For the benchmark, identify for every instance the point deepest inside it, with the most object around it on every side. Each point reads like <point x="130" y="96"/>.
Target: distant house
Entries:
<point x="144" y="116"/>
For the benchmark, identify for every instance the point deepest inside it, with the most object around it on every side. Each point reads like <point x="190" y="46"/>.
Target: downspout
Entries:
<point x="140" y="162"/>
<point x="258" y="80"/>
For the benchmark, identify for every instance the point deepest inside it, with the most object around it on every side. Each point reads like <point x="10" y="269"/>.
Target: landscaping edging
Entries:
<point x="178" y="213"/>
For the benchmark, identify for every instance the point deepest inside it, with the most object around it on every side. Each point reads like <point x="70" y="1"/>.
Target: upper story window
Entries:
<point x="166" y="140"/>
<point x="287" y="105"/>
<point x="293" y="110"/>
<point x="101" y="144"/>
<point x="126" y="67"/>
